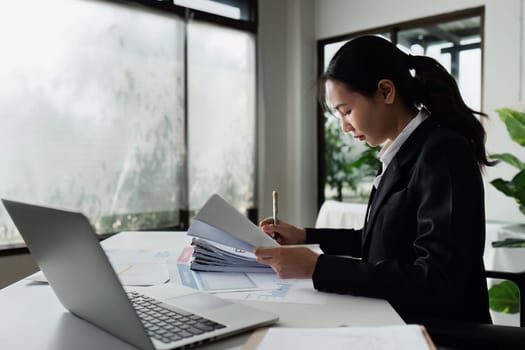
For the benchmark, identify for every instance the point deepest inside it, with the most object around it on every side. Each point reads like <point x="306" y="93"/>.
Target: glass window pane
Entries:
<point x="343" y="180"/>
<point x="92" y="112"/>
<point x="329" y="50"/>
<point x="456" y="45"/>
<point x="221" y="121"/>
<point x="470" y="77"/>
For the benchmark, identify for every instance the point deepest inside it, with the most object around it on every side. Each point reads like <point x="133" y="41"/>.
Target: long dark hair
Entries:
<point x="362" y="62"/>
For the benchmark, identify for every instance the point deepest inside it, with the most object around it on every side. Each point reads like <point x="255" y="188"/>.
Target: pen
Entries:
<point x="275" y="210"/>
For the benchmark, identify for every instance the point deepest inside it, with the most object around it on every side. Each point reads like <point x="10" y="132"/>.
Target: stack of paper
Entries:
<point x="225" y="239"/>
<point x="212" y="256"/>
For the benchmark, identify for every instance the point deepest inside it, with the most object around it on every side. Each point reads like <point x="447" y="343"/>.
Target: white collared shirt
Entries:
<point x="389" y="151"/>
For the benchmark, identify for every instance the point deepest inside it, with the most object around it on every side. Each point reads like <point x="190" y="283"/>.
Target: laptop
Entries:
<point x="168" y="316"/>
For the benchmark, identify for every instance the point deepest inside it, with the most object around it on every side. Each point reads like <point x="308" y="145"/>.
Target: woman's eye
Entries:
<point x="348" y="112"/>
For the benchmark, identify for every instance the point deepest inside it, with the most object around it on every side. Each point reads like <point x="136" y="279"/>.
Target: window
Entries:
<point x="456" y="45"/>
<point x="104" y="113"/>
<point x="221" y="114"/>
<point x="455" y="40"/>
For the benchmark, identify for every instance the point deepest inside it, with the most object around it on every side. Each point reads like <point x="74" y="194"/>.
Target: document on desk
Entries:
<point x="134" y="267"/>
<point x="141" y="267"/>
<point x="244" y="286"/>
<point x="298" y="291"/>
<point x="407" y="337"/>
<point x="215" y="282"/>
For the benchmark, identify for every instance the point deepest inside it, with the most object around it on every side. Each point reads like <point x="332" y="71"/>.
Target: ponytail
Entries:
<point x="438" y="91"/>
<point x="362" y="62"/>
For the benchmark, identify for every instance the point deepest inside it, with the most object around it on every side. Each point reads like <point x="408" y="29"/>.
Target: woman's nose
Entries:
<point x="346" y="126"/>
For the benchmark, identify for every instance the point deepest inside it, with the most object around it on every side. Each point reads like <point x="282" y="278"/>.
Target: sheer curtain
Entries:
<point x="92" y="112"/>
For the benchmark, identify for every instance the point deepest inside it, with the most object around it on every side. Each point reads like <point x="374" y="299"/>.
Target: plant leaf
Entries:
<point x="514" y="188"/>
<point x="518" y="182"/>
<point x="504" y="186"/>
<point x="504" y="297"/>
<point x="515" y="123"/>
<point x="509" y="159"/>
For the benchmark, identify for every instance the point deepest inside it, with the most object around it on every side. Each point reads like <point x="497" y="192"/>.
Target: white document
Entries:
<point x="135" y="267"/>
<point x="140" y="267"/>
<point x="213" y="282"/>
<point x="297" y="291"/>
<point x="141" y="274"/>
<point x="140" y="256"/>
<point x="218" y="221"/>
<point x="408" y="337"/>
<point x="128" y="274"/>
<point x="220" y="282"/>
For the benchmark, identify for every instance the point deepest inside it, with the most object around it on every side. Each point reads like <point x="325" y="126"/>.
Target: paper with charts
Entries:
<point x="134" y="267"/>
<point x="244" y="285"/>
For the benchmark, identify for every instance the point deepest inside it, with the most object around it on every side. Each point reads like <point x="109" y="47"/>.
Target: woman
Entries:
<point x="421" y="247"/>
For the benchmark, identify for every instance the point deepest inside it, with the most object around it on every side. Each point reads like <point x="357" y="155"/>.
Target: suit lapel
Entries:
<point x="377" y="197"/>
<point x="371" y="197"/>
<point x="395" y="172"/>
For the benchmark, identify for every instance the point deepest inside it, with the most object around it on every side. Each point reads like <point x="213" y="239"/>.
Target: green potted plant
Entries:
<point x="504" y="296"/>
<point x="515" y="188"/>
<point x="347" y="163"/>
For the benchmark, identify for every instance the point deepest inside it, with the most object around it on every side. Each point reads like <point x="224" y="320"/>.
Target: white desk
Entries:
<point x="32" y="318"/>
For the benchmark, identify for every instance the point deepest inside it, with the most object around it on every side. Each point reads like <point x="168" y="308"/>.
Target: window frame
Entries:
<point x="393" y="30"/>
<point x="249" y="24"/>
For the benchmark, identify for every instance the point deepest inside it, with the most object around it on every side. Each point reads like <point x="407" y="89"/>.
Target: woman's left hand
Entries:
<point x="288" y="262"/>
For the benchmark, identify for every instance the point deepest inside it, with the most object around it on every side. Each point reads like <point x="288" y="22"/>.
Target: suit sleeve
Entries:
<point x="447" y="218"/>
<point x="336" y="241"/>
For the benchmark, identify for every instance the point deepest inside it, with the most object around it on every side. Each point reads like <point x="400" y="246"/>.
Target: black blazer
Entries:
<point x="422" y="245"/>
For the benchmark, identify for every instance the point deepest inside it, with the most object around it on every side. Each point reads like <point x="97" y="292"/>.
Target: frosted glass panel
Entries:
<point x="221" y="106"/>
<point x="91" y="106"/>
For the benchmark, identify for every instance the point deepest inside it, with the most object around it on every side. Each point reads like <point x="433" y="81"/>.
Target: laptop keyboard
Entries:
<point x="167" y="323"/>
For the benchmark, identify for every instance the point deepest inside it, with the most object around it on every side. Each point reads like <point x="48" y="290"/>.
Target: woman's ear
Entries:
<point x="386" y="90"/>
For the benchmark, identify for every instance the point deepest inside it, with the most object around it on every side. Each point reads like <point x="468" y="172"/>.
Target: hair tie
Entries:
<point x="410" y="61"/>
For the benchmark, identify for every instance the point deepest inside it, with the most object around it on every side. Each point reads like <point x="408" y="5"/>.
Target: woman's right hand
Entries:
<point x="283" y="232"/>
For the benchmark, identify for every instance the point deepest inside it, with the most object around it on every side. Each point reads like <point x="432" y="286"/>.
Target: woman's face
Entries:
<point x="365" y="117"/>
